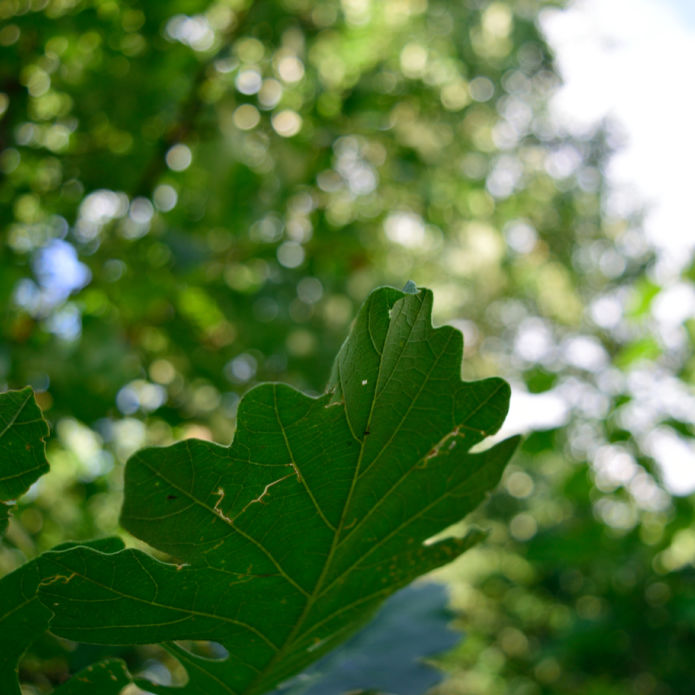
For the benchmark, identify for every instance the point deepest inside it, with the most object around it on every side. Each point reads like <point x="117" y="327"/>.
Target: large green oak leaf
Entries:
<point x="287" y="541"/>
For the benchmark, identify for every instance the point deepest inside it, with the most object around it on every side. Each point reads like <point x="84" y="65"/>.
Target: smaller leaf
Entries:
<point x="22" y="447"/>
<point x="106" y="677"/>
<point x="23" y="618"/>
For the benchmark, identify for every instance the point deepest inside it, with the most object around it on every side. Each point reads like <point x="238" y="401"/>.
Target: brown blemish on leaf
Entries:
<point x="57" y="578"/>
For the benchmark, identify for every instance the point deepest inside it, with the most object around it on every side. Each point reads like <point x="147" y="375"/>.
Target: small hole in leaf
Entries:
<point x="156" y="672"/>
<point x="158" y="667"/>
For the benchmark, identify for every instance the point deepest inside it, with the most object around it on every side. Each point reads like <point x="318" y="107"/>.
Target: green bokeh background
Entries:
<point x="197" y="196"/>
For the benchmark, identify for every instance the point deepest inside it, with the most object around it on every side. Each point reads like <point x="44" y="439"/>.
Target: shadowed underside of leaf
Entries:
<point x="22" y="449"/>
<point x="288" y="540"/>
<point x="389" y="654"/>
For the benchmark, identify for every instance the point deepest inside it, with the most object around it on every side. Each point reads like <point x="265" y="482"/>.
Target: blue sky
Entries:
<point x="684" y="8"/>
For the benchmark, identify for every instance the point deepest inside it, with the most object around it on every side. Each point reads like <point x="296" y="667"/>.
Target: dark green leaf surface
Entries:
<point x="22" y="449"/>
<point x="288" y="540"/>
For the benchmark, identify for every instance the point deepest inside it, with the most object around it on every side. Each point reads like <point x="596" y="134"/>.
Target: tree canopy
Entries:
<point x="197" y="196"/>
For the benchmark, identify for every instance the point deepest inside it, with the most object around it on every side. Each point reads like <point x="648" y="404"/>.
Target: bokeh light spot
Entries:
<point x="287" y="123"/>
<point x="179" y="157"/>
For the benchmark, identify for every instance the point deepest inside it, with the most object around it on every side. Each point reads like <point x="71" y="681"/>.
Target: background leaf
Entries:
<point x="389" y="654"/>
<point x="287" y="541"/>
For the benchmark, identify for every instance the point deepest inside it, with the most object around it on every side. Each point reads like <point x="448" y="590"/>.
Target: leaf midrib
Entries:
<point x="481" y="405"/>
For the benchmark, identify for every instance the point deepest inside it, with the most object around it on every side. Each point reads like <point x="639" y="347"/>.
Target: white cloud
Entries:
<point x="631" y="60"/>
<point x="529" y="412"/>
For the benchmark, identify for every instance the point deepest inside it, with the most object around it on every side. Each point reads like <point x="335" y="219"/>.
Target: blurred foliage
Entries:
<point x="196" y="196"/>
